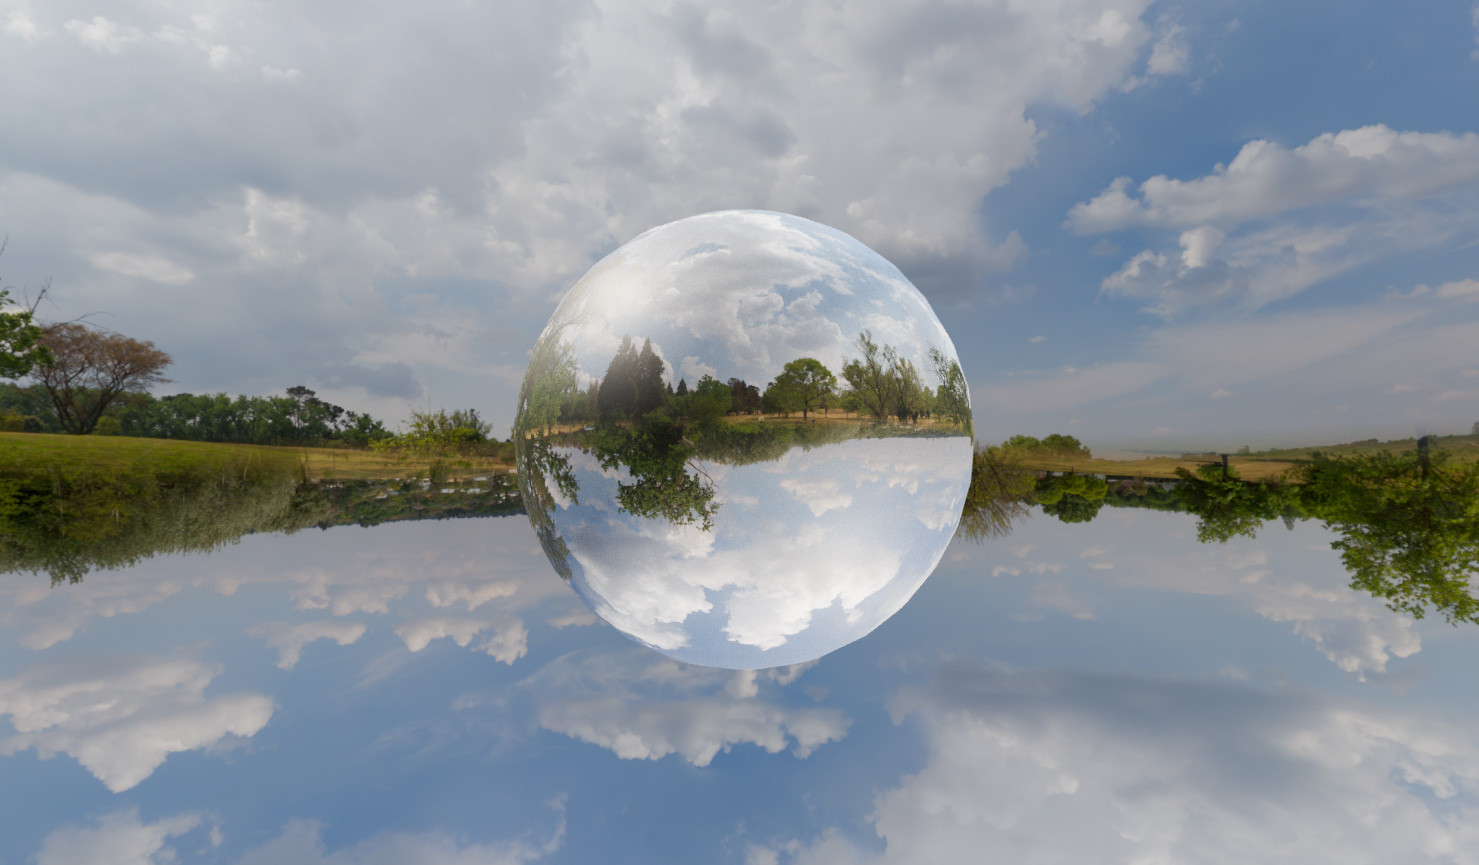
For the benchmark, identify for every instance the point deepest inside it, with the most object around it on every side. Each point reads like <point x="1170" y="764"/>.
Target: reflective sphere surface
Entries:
<point x="744" y="439"/>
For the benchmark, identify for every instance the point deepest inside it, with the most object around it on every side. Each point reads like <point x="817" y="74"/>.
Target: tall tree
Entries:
<point x="618" y="394"/>
<point x="91" y="368"/>
<point x="548" y="384"/>
<point x="650" y="393"/>
<point x="868" y="377"/>
<point x="810" y="383"/>
<point x="952" y="398"/>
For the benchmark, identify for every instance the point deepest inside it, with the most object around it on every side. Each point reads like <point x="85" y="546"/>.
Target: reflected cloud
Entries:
<point x="1084" y="767"/>
<point x="644" y="708"/>
<point x="121" y="717"/>
<point x="825" y="562"/>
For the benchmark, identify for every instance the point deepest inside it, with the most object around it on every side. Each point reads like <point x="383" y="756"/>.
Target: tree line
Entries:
<point x="90" y="380"/>
<point x="878" y="383"/>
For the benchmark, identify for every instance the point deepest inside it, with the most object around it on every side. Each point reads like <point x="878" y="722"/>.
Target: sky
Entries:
<point x="1150" y="225"/>
<point x="432" y="692"/>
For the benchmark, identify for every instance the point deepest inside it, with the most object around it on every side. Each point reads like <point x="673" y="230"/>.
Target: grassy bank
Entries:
<point x="23" y="453"/>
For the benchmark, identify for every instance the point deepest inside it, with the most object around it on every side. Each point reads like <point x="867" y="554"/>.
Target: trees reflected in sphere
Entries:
<point x="744" y="439"/>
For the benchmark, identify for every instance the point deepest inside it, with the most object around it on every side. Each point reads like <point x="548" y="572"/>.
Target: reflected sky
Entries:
<point x="806" y="553"/>
<point x="432" y="692"/>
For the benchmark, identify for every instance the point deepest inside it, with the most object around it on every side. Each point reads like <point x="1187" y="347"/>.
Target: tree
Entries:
<point x="868" y="377"/>
<point x="618" y="394"/>
<point x="808" y="382"/>
<point x="91" y="368"/>
<point x="649" y="390"/>
<point x="551" y="379"/>
<point x="952" y="398"/>
<point x="21" y="348"/>
<point x="1409" y="527"/>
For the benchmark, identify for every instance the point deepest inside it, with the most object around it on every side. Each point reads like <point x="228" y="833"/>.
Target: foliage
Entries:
<point x="69" y="507"/>
<point x="1227" y="506"/>
<point x="1001" y="492"/>
<point x="550" y="378"/>
<point x="91" y="368"/>
<point x="952" y="397"/>
<point x="21" y="347"/>
<point x="805" y="384"/>
<point x="1409" y="527"/>
<point x="1071" y="498"/>
<point x="437" y="433"/>
<point x="1054" y="445"/>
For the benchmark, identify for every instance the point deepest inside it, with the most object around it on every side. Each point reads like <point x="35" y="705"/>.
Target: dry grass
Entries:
<point x="116" y="453"/>
<point x="347" y="464"/>
<point x="1248" y="468"/>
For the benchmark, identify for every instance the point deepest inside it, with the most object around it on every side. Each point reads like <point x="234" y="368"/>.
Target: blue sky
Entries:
<point x="386" y="204"/>
<point x="433" y="692"/>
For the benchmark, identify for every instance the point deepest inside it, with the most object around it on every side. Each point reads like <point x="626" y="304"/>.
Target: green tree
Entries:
<point x="867" y="377"/>
<point x="1408" y="526"/>
<point x="952" y="397"/>
<point x="21" y="347"/>
<point x="618" y="393"/>
<point x="807" y="384"/>
<point x="549" y="382"/>
<point x="1226" y="506"/>
<point x="1001" y="492"/>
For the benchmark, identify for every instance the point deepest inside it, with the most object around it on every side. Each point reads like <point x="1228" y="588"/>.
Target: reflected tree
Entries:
<point x="1409" y="527"/>
<point x="1000" y="494"/>
<point x="1227" y="506"/>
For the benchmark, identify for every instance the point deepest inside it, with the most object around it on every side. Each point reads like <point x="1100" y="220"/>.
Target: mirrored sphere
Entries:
<point x="744" y="439"/>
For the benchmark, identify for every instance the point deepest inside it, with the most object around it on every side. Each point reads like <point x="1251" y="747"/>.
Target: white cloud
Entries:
<point x="120" y="717"/>
<point x="1275" y="221"/>
<point x="1171" y="54"/>
<point x="150" y="267"/>
<point x="1081" y="767"/>
<point x="102" y="35"/>
<point x="119" y="838"/>
<point x="642" y="709"/>
<point x="289" y="640"/>
<point x="22" y="25"/>
<point x="301" y="843"/>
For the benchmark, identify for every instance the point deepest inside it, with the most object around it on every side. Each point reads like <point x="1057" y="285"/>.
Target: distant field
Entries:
<point x="121" y="453"/>
<point x="1260" y="465"/>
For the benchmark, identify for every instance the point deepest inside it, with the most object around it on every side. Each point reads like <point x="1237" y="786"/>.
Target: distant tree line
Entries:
<point x="879" y="383"/>
<point x="298" y="417"/>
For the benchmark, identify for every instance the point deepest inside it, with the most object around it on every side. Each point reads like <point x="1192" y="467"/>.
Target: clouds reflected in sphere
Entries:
<point x="744" y="439"/>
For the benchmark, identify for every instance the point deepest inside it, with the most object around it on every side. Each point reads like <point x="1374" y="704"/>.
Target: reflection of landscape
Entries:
<point x="66" y="524"/>
<point x="1407" y="524"/>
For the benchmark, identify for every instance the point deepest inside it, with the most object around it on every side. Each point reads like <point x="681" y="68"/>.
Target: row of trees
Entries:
<point x="92" y="380"/>
<point x="878" y="383"/>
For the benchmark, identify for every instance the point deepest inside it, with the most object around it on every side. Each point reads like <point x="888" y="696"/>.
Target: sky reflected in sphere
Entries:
<point x="744" y="439"/>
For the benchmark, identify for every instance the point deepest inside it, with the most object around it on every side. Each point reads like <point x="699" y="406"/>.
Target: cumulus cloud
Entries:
<point x="320" y="180"/>
<point x="1276" y="220"/>
<point x="289" y="640"/>
<point x="645" y="709"/>
<point x="121" y="717"/>
<point x="1054" y="767"/>
<point x="120" y="838"/>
